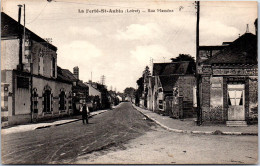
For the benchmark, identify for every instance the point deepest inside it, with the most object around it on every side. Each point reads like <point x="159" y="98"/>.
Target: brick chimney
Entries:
<point x="76" y="72"/>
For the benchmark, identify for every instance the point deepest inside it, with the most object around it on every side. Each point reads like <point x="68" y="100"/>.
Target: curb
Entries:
<point x="217" y="132"/>
<point x="47" y="126"/>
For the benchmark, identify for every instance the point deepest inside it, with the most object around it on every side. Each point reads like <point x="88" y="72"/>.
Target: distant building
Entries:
<point x="170" y="89"/>
<point x="80" y="91"/>
<point x="94" y="95"/>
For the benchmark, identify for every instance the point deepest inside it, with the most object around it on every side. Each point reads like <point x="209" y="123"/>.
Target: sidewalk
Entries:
<point x="28" y="127"/>
<point x="189" y="126"/>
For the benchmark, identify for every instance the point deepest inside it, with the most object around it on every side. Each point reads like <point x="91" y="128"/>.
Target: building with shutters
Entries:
<point x="32" y="87"/>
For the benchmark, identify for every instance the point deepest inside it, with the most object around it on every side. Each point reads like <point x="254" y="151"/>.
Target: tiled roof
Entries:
<point x="61" y="75"/>
<point x="11" y="28"/>
<point x="168" y="82"/>
<point x="174" y="68"/>
<point x="242" y="51"/>
<point x="81" y="84"/>
<point x="65" y="74"/>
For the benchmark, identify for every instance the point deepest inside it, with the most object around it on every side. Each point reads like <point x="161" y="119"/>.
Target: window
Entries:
<point x="235" y="95"/>
<point x="47" y="101"/>
<point x="40" y="69"/>
<point x="53" y="66"/>
<point x="23" y="82"/>
<point x="62" y="101"/>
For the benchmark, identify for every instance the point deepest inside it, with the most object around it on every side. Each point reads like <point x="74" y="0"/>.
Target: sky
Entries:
<point x="120" y="45"/>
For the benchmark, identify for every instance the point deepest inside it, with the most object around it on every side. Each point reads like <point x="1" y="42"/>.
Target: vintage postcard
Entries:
<point x="129" y="82"/>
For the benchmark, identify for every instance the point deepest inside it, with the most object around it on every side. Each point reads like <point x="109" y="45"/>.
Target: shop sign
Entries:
<point x="247" y="72"/>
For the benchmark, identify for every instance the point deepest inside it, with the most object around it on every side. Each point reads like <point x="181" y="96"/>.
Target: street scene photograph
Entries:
<point x="129" y="82"/>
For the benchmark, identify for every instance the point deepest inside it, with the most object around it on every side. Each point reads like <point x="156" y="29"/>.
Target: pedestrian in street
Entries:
<point x="84" y="113"/>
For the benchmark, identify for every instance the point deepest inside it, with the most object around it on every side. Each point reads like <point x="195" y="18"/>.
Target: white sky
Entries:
<point x="119" y="46"/>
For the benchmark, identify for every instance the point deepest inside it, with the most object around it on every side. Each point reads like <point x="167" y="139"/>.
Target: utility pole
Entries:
<point x="199" y="111"/>
<point x="91" y="77"/>
<point x="20" y="65"/>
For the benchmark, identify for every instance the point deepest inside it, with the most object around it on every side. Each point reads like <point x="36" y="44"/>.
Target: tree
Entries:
<point x="186" y="57"/>
<point x="142" y="83"/>
<point x="129" y="91"/>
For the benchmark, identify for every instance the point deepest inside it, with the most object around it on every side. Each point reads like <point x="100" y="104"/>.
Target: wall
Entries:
<point x="9" y="54"/>
<point x="216" y="98"/>
<point x="253" y="98"/>
<point x="93" y="91"/>
<point x="56" y="87"/>
<point x="185" y="86"/>
<point x="38" y="50"/>
<point x="207" y="115"/>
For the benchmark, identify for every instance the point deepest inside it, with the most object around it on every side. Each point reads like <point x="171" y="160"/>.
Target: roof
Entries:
<point x="11" y="28"/>
<point x="173" y="68"/>
<point x="81" y="84"/>
<point x="90" y="86"/>
<point x="168" y="82"/>
<point x="242" y="51"/>
<point x="216" y="47"/>
<point x="65" y="74"/>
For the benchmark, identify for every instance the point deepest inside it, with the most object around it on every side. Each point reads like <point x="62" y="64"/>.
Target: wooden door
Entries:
<point x="236" y="102"/>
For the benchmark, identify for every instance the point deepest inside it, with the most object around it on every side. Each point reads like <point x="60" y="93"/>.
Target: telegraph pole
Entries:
<point x="20" y="66"/>
<point x="199" y="111"/>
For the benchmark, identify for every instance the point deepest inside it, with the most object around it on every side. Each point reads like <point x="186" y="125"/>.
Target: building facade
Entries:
<point x="229" y="84"/>
<point x="170" y="89"/>
<point x="33" y="89"/>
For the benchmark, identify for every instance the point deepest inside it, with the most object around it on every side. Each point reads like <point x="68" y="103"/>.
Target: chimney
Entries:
<point x="256" y="26"/>
<point x="76" y="72"/>
<point x="19" y="13"/>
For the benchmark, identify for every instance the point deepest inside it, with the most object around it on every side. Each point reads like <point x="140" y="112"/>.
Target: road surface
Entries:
<point x="63" y="144"/>
<point x="124" y="136"/>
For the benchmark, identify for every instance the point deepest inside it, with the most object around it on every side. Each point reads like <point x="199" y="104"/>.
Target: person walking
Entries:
<point x="84" y="113"/>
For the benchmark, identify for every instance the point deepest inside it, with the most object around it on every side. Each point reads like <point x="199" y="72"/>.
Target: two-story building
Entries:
<point x="32" y="87"/>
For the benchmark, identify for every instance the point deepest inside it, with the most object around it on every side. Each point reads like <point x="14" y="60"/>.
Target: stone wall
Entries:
<point x="253" y="99"/>
<point x="9" y="54"/>
<point x="56" y="88"/>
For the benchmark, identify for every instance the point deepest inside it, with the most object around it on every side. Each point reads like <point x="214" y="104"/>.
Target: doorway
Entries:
<point x="236" y="102"/>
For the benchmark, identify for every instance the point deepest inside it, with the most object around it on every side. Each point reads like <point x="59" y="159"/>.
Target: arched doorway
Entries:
<point x="47" y="100"/>
<point x="62" y="101"/>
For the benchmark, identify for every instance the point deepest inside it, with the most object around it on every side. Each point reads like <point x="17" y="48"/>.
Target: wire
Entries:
<point x="38" y="14"/>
